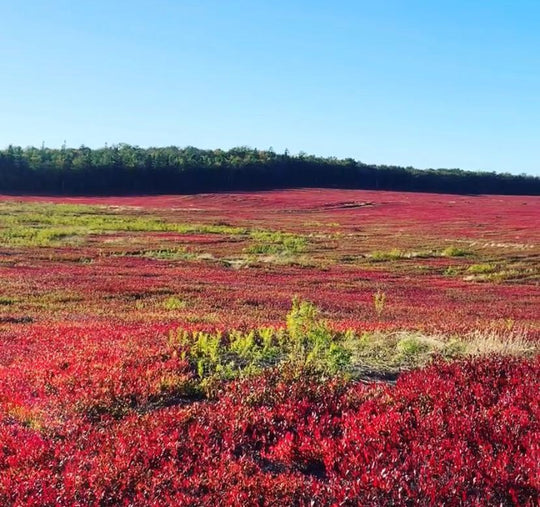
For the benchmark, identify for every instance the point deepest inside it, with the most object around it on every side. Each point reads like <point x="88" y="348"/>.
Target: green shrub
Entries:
<point x="174" y="303"/>
<point x="276" y="242"/>
<point x="313" y="343"/>
<point x="391" y="255"/>
<point x="482" y="268"/>
<point x="454" y="251"/>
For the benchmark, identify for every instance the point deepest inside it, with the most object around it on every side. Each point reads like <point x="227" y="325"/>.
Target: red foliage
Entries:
<point x="93" y="406"/>
<point x="464" y="433"/>
<point x="341" y="224"/>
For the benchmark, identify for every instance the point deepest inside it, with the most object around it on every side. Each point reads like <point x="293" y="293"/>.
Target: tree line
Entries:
<point x="126" y="169"/>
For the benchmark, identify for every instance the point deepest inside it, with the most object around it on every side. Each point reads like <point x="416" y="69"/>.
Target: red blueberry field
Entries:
<point x="292" y="347"/>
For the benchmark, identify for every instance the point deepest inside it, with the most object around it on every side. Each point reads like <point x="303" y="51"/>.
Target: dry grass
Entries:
<point x="390" y="353"/>
<point x="510" y="343"/>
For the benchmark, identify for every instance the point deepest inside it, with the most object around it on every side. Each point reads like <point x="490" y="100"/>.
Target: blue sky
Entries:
<point x="421" y="83"/>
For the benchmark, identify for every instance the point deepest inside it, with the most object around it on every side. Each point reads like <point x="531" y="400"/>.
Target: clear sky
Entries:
<point x="449" y="83"/>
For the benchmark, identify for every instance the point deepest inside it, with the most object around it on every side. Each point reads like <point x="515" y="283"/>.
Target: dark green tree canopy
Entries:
<point x="126" y="169"/>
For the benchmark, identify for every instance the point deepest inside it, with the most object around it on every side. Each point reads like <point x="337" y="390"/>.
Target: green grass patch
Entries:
<point x="391" y="255"/>
<point x="174" y="303"/>
<point x="476" y="269"/>
<point x="30" y="224"/>
<point x="454" y="251"/>
<point x="277" y="243"/>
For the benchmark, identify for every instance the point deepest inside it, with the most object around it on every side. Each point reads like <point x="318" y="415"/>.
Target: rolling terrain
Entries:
<point x="340" y="347"/>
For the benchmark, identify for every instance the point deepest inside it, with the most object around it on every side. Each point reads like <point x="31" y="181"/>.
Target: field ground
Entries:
<point x="153" y="349"/>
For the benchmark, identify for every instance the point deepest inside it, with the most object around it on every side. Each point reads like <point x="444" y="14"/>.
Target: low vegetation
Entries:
<point x="151" y="351"/>
<point x="50" y="225"/>
<point x="308" y="342"/>
<point x="266" y="242"/>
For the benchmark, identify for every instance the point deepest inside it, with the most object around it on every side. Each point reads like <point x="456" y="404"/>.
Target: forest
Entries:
<point x="124" y="169"/>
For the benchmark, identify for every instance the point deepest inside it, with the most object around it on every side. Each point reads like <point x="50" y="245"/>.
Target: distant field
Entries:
<point x="244" y="348"/>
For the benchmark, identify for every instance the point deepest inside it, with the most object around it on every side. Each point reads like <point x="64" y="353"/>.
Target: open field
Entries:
<point x="337" y="346"/>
